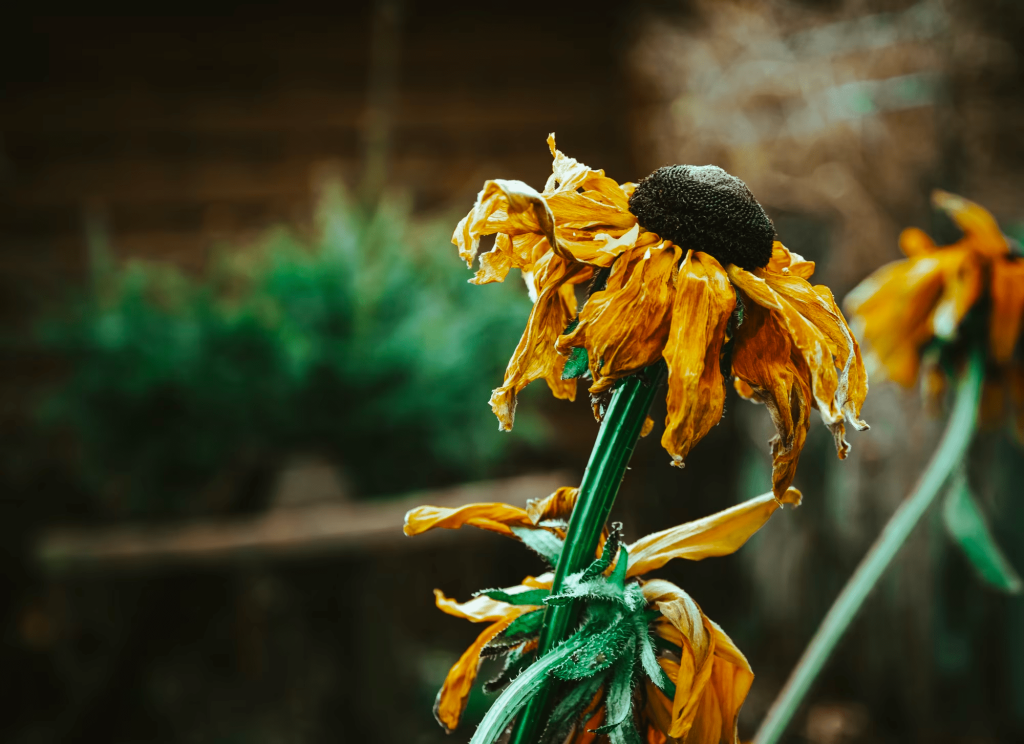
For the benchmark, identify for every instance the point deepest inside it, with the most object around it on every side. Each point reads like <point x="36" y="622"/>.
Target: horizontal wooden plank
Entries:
<point x="281" y="533"/>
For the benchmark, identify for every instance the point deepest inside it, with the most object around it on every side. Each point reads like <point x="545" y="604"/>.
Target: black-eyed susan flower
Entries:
<point x="645" y="659"/>
<point x="918" y="315"/>
<point x="685" y="268"/>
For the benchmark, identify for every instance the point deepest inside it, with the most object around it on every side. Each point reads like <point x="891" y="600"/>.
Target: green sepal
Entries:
<point x="611" y="547"/>
<point x="515" y="655"/>
<point x="577" y="365"/>
<point x="525" y="625"/>
<point x="966" y="525"/>
<point x="618" y="705"/>
<point x="520" y="690"/>
<point x="570" y="709"/>
<point x="618" y="577"/>
<point x="545" y="544"/>
<point x="527" y="597"/>
<point x="600" y="651"/>
<point x="649" y="659"/>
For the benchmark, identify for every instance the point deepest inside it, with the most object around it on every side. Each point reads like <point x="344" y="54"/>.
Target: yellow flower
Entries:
<point x="710" y="674"/>
<point x="685" y="269"/>
<point x="912" y="311"/>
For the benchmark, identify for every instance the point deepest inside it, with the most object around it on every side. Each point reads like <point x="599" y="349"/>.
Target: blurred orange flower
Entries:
<point x="918" y="314"/>
<point x="711" y="676"/>
<point x="684" y="267"/>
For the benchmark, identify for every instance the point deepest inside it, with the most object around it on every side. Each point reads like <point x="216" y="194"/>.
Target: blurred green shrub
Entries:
<point x="364" y="344"/>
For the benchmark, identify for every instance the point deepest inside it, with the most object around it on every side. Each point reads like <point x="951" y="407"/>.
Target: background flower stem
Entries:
<point x="612" y="450"/>
<point x="946" y="459"/>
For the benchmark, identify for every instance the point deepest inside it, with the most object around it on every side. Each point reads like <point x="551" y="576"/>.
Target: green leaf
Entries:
<point x="512" y="597"/>
<point x="515" y="655"/>
<point x="966" y="524"/>
<point x="545" y="544"/>
<point x="519" y="692"/>
<point x="525" y="625"/>
<point x="618" y="705"/>
<point x="649" y="659"/>
<point x="599" y="652"/>
<point x="570" y="709"/>
<point x="577" y="365"/>
<point x="611" y="547"/>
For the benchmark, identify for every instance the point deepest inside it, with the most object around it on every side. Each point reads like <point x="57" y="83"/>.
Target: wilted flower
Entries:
<point x="918" y="315"/>
<point x="685" y="267"/>
<point x="695" y="678"/>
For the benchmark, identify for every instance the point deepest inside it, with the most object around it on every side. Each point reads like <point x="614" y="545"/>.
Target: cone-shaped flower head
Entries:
<point x="647" y="657"/>
<point x="685" y="268"/>
<point x="918" y="315"/>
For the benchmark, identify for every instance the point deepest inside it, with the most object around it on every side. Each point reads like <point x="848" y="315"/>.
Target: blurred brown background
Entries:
<point x="172" y="135"/>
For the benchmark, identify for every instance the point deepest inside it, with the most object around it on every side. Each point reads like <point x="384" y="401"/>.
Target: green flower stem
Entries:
<point x="947" y="458"/>
<point x="612" y="449"/>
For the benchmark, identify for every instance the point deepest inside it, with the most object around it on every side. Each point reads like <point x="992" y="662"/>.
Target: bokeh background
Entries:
<point x="237" y="346"/>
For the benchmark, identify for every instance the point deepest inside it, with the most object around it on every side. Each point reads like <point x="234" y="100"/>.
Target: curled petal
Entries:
<point x="494" y="517"/>
<point x="624" y="326"/>
<point x="1007" y="291"/>
<point x="774" y="293"/>
<point x="535" y="356"/>
<point x="518" y="252"/>
<point x="682" y="613"/>
<point x="502" y="206"/>
<point x="556" y="506"/>
<point x="765" y="360"/>
<point x="704" y="301"/>
<point x="784" y="261"/>
<point x="817" y="306"/>
<point x="719" y="534"/>
<point x="451" y="700"/>
<point x="480" y="609"/>
<point x="691" y="687"/>
<point x="981" y="231"/>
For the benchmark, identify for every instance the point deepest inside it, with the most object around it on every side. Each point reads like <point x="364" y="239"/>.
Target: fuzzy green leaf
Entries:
<point x="527" y="597"/>
<point x="570" y="709"/>
<point x="618" y="704"/>
<point x="512" y="660"/>
<point x="649" y="659"/>
<point x="519" y="692"/>
<point x="611" y="548"/>
<point x="966" y="524"/>
<point x="525" y="625"/>
<point x="545" y="544"/>
<point x="599" y="652"/>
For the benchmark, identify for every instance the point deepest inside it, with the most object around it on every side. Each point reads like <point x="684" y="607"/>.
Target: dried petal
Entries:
<point x="704" y="301"/>
<point x="494" y="517"/>
<point x="624" y="327"/>
<point x="719" y="534"/>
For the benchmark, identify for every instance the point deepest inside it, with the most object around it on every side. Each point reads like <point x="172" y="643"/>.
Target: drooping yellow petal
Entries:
<point x="719" y="534"/>
<point x="480" y="609"/>
<point x="981" y="231"/>
<point x="558" y="505"/>
<point x="535" y="356"/>
<point x="809" y="340"/>
<point x="704" y="301"/>
<point x="775" y="373"/>
<point x="494" y="517"/>
<point x="518" y="252"/>
<point x="624" y="326"/>
<point x="818" y="308"/>
<point x="687" y="702"/>
<point x="730" y="684"/>
<point x="679" y="609"/>
<point x="784" y="261"/>
<point x="451" y="700"/>
<point x="1007" y="291"/>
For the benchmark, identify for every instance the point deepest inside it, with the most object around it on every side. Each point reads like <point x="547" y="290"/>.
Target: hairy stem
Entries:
<point x="951" y="451"/>
<point x="612" y="450"/>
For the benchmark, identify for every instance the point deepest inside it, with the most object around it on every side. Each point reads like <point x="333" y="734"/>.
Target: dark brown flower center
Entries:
<point x="704" y="208"/>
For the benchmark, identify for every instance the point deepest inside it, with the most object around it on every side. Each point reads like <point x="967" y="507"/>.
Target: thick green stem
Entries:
<point x="614" y="446"/>
<point x="948" y="456"/>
